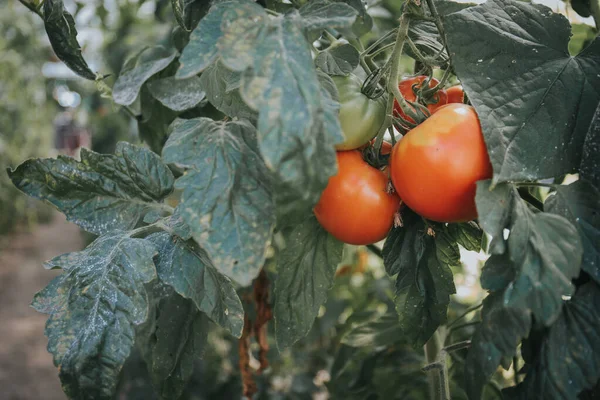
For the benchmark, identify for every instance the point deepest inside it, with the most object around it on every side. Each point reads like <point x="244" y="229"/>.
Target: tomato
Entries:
<point x="435" y="166"/>
<point x="360" y="117"/>
<point x="356" y="207"/>
<point x="455" y="94"/>
<point x="408" y="87"/>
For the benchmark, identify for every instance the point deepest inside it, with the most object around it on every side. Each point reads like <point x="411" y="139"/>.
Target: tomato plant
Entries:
<point x="360" y="117"/>
<point x="435" y="167"/>
<point x="220" y="237"/>
<point x="355" y="206"/>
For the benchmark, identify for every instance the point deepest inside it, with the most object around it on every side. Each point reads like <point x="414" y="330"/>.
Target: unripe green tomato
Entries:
<point x="360" y="117"/>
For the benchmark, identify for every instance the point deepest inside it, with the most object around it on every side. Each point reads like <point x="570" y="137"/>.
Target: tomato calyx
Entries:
<point x="379" y="160"/>
<point x="422" y="95"/>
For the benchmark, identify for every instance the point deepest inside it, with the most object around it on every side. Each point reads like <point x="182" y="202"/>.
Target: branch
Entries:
<point x="32" y="8"/>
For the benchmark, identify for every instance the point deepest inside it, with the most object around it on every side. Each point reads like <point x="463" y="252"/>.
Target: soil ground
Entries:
<point x="26" y="368"/>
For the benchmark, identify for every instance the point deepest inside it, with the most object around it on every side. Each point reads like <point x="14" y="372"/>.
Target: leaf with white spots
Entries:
<point x="227" y="200"/>
<point x="103" y="192"/>
<point x="93" y="309"/>
<point x="186" y="267"/>
<point x="297" y="126"/>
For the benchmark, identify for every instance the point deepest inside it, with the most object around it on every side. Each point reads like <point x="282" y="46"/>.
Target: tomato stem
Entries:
<point x="375" y="250"/>
<point x="464" y="314"/>
<point x="435" y="354"/>
<point x="440" y="28"/>
<point x="32" y="8"/>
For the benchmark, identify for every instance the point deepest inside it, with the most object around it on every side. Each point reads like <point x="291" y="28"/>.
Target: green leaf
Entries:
<point x="305" y="273"/>
<point x="535" y="102"/>
<point x="363" y="23"/>
<point x="341" y="60"/>
<point x="384" y="331"/>
<point x="590" y="161"/>
<point x="201" y="51"/>
<point x="297" y="127"/>
<point x="177" y="94"/>
<point x="62" y="33"/>
<point x="582" y="7"/>
<point x="187" y="268"/>
<point x="500" y="331"/>
<point x="93" y="309"/>
<point x="227" y="199"/>
<point x="148" y="63"/>
<point x="498" y="272"/>
<point x="543" y="250"/>
<point x="569" y="358"/>
<point x="467" y="234"/>
<point x="222" y="91"/>
<point x="101" y="193"/>
<point x="172" y="341"/>
<point x="424" y="282"/>
<point x="579" y="202"/>
<point x="495" y="206"/>
<point x="322" y="14"/>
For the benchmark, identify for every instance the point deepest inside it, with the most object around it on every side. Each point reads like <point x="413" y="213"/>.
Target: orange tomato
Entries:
<point x="435" y="166"/>
<point x="356" y="207"/>
<point x="409" y="86"/>
<point x="455" y="94"/>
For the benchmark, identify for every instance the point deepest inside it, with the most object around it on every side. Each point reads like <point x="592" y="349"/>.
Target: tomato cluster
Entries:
<point x="434" y="167"/>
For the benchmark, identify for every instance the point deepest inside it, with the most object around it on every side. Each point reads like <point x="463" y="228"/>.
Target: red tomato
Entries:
<point x="455" y="94"/>
<point x="435" y="166"/>
<point x="408" y="87"/>
<point x="356" y="207"/>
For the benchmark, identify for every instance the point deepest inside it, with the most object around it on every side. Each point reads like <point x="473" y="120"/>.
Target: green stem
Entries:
<point x="146" y="230"/>
<point x="386" y="123"/>
<point x="457" y="346"/>
<point x="432" y="349"/>
<point x="440" y="28"/>
<point x="531" y="199"/>
<point x="330" y="37"/>
<point x="378" y="42"/>
<point x="466" y="324"/>
<point x="375" y="250"/>
<point x="31" y="8"/>
<point x="420" y="56"/>
<point x="380" y="50"/>
<point x="536" y="184"/>
<point x="395" y="68"/>
<point x="363" y="63"/>
<point x="461" y="316"/>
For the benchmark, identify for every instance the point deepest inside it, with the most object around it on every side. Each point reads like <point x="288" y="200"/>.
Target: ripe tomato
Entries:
<point x="409" y="86"/>
<point x="355" y="207"/>
<point x="435" y="166"/>
<point x="455" y="94"/>
<point x="360" y="117"/>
